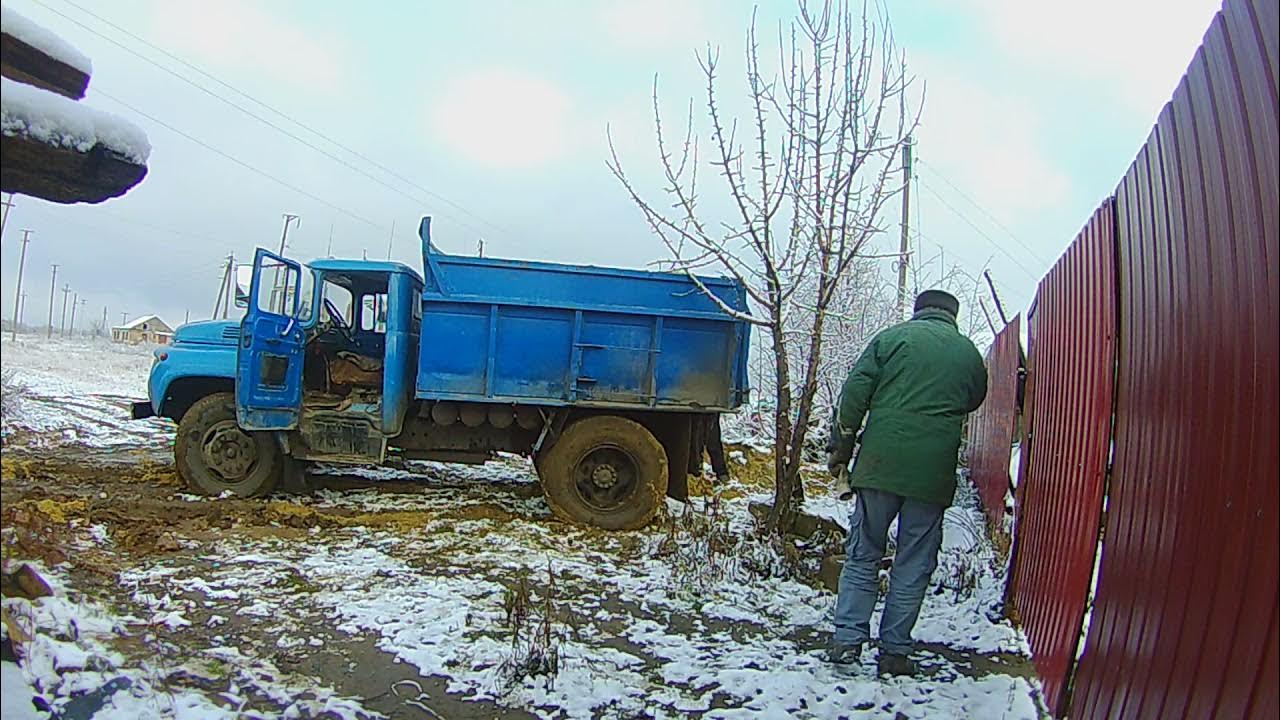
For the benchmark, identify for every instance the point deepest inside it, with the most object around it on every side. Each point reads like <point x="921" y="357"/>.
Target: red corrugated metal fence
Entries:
<point x="1072" y="360"/>
<point x="1185" y="621"/>
<point x="991" y="428"/>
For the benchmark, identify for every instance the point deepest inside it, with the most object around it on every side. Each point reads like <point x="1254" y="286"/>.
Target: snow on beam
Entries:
<point x="59" y="150"/>
<point x="34" y="55"/>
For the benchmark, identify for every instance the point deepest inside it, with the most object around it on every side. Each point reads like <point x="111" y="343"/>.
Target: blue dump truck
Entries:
<point x="602" y="376"/>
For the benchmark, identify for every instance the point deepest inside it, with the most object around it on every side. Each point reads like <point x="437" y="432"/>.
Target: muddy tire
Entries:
<point x="213" y="455"/>
<point x="605" y="471"/>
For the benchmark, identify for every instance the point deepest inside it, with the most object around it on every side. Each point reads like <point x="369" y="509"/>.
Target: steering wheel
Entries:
<point x="335" y="316"/>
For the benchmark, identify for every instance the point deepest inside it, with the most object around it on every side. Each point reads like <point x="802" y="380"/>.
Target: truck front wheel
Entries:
<point x="605" y="471"/>
<point x="214" y="455"/>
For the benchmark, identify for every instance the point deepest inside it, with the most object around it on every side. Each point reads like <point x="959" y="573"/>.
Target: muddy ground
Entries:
<point x="163" y="551"/>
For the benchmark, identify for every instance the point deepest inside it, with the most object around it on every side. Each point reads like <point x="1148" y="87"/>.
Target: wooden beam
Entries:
<point x="25" y="64"/>
<point x="63" y="175"/>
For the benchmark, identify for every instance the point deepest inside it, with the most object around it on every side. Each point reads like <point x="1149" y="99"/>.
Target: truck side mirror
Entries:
<point x="242" y="300"/>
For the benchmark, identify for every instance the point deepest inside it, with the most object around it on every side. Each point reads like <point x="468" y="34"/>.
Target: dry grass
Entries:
<point x="535" y="641"/>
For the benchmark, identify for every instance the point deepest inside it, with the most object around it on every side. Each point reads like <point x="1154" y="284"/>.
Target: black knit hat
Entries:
<point x="938" y="299"/>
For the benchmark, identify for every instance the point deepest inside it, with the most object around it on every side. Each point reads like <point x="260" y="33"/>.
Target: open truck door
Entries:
<point x="269" y="360"/>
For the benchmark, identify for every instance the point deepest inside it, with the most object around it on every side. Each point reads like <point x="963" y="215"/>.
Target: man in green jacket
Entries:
<point x="914" y="384"/>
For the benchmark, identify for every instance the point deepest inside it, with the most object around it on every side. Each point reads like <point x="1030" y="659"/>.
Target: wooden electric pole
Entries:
<point x="225" y="289"/>
<point x="62" y="324"/>
<point x="75" y="300"/>
<point x="53" y="286"/>
<point x="906" y="216"/>
<point x="17" y="295"/>
<point x="4" y="218"/>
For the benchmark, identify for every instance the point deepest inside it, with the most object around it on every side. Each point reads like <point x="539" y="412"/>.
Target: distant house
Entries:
<point x="146" y="329"/>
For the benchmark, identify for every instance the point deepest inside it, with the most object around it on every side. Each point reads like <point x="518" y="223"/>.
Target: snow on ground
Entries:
<point x="425" y="572"/>
<point x="18" y="26"/>
<point x="76" y="391"/>
<point x="53" y="119"/>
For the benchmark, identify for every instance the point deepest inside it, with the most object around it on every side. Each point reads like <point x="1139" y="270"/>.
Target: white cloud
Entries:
<point x="649" y="24"/>
<point x="503" y="118"/>
<point x="988" y="142"/>
<point x="1135" y="49"/>
<point x="244" y="36"/>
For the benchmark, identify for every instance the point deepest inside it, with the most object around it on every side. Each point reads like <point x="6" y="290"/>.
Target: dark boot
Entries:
<point x="895" y="664"/>
<point x="844" y="654"/>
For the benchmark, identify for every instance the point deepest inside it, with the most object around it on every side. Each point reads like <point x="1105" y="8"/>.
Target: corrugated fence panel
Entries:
<point x="1071" y="366"/>
<point x="1185" y="621"/>
<point x="991" y="429"/>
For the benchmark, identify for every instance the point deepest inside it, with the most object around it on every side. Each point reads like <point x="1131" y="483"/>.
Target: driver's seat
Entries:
<point x="353" y="370"/>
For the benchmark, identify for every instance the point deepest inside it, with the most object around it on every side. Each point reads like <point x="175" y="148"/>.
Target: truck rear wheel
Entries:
<point x="214" y="455"/>
<point x="605" y="471"/>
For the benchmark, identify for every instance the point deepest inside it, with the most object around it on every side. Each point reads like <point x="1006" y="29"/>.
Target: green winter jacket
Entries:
<point x="915" y="382"/>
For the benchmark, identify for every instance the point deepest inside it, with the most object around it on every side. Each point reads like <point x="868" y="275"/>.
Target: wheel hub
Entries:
<point x="229" y="451"/>
<point x="606" y="477"/>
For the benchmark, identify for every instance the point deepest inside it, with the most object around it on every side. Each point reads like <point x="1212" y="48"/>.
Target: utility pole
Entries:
<point x="232" y="286"/>
<point x="222" y="289"/>
<point x="187" y="319"/>
<point x="78" y="302"/>
<point x="53" y="286"/>
<point x="75" y="300"/>
<point x="906" y="218"/>
<point x="4" y="218"/>
<point x="62" y="327"/>
<point x="288" y="218"/>
<point x="480" y="248"/>
<point x="22" y="308"/>
<point x="329" y="250"/>
<point x="124" y="318"/>
<point x="105" y="329"/>
<point x="22" y="262"/>
<point x="276" y="286"/>
<point x="391" y="240"/>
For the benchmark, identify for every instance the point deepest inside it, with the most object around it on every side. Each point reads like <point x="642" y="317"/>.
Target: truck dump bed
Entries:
<point x="549" y="334"/>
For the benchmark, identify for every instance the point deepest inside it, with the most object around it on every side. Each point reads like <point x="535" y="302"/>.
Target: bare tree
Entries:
<point x="804" y="193"/>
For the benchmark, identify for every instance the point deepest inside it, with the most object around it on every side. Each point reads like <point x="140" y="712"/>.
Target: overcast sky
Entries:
<point x="491" y="116"/>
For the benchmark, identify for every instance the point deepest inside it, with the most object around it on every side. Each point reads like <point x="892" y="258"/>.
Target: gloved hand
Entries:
<point x="839" y="458"/>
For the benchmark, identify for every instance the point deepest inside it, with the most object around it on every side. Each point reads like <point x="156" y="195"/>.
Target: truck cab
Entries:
<point x="601" y="376"/>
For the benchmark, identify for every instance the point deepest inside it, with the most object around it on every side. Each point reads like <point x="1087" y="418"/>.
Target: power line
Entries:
<point x="238" y="161"/>
<point x="984" y="211"/>
<point x="265" y="121"/>
<point x="1030" y="273"/>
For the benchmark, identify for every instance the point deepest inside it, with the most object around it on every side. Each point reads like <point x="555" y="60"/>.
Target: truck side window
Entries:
<point x="373" y="313"/>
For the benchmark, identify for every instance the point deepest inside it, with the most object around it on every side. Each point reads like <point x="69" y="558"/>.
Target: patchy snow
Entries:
<point x="77" y="392"/>
<point x="16" y="694"/>
<point x="73" y="651"/>
<point x="18" y="26"/>
<point x="50" y="118"/>
<point x="419" y="569"/>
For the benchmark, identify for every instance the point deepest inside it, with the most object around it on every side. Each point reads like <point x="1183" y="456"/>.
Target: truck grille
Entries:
<point x="231" y="333"/>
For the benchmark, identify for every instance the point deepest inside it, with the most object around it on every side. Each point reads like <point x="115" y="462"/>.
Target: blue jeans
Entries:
<point x="919" y="538"/>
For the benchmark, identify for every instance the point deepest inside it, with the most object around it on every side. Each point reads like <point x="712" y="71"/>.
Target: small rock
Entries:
<point x="25" y="582"/>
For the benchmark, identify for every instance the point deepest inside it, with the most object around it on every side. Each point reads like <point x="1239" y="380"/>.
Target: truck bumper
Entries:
<point x="140" y="410"/>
